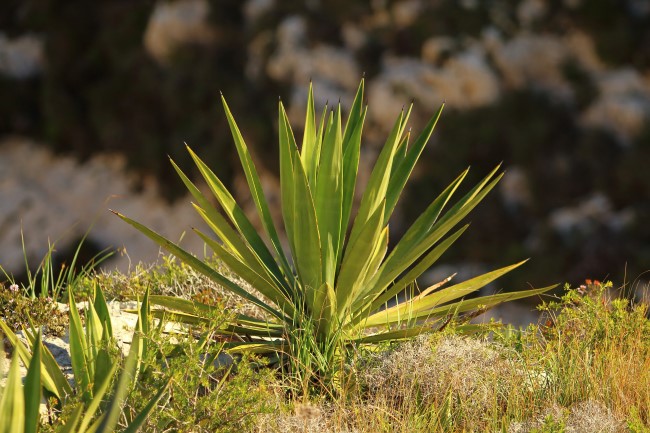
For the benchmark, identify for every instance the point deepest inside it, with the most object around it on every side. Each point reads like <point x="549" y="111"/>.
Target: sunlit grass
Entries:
<point x="584" y="367"/>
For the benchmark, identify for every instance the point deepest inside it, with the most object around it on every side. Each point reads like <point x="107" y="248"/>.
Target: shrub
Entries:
<point x="339" y="277"/>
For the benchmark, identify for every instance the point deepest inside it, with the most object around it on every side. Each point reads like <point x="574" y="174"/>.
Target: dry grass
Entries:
<point x="587" y="370"/>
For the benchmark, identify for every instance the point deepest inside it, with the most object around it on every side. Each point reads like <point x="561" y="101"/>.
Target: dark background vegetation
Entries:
<point x="101" y="91"/>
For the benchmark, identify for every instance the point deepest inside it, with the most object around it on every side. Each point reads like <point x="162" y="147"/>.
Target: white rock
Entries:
<point x="623" y="107"/>
<point x="294" y="62"/>
<point x="254" y="9"/>
<point x="432" y="48"/>
<point x="514" y="188"/>
<point x="531" y="61"/>
<point x="596" y="209"/>
<point x="463" y="81"/>
<point x="332" y="70"/>
<point x="529" y="11"/>
<point x="58" y="199"/>
<point x="353" y="37"/>
<point x="174" y="23"/>
<point x="406" y="12"/>
<point x="21" y="57"/>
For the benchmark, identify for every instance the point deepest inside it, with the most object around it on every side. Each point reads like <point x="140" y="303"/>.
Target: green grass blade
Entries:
<point x="101" y="307"/>
<point x="286" y="178"/>
<point x="486" y="302"/>
<point x="325" y="309"/>
<point x="400" y="155"/>
<point x="94" y="333"/>
<point x="12" y="402"/>
<point x="144" y="326"/>
<point x="365" y="295"/>
<point x="248" y="347"/>
<point x="425" y="222"/>
<point x="226" y="233"/>
<point x="357" y="113"/>
<point x="52" y="378"/>
<point x="230" y="330"/>
<point x="414" y="245"/>
<point x="79" y="352"/>
<point x="308" y="259"/>
<point x="240" y="250"/>
<point x="102" y="388"/>
<point x="198" y="265"/>
<point x="396" y="335"/>
<point x="142" y="416"/>
<point x="32" y="389"/>
<point x="124" y="384"/>
<point x="196" y="308"/>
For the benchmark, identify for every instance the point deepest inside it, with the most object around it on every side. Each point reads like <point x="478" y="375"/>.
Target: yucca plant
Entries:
<point x="334" y="284"/>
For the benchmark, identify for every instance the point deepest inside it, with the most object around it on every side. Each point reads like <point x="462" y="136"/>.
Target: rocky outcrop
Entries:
<point x="21" y="57"/>
<point x="176" y="23"/>
<point x="53" y="199"/>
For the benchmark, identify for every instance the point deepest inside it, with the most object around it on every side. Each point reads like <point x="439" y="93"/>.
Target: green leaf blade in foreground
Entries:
<point x="12" y="402"/>
<point x="79" y="352"/>
<point x="124" y="384"/>
<point x="401" y="258"/>
<point x="351" y="155"/>
<point x="52" y="378"/>
<point x="32" y="389"/>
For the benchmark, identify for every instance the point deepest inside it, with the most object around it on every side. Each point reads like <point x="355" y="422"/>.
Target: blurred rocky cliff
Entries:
<point x="557" y="90"/>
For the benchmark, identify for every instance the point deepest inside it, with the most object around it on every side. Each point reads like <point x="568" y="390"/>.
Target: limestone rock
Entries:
<point x="21" y="57"/>
<point x="623" y="107"/>
<point x="58" y="199"/>
<point x="174" y="23"/>
<point x="463" y="81"/>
